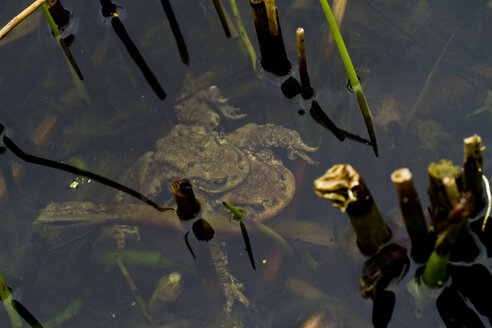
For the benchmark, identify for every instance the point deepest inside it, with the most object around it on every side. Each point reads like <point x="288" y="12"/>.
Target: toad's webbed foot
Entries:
<point x="253" y="136"/>
<point x="231" y="287"/>
<point x="214" y="97"/>
<point x="201" y="108"/>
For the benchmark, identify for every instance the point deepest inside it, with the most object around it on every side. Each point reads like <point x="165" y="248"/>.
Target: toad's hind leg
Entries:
<point x="231" y="287"/>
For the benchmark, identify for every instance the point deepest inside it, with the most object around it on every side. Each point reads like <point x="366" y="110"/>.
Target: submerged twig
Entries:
<point x="14" y="197"/>
<point x="416" y="106"/>
<point x="243" y="34"/>
<point x="131" y="284"/>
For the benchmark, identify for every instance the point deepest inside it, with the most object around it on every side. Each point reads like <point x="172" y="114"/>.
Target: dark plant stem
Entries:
<point x="183" y="51"/>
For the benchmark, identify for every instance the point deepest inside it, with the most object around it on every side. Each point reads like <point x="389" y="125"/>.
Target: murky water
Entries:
<point x="422" y="111"/>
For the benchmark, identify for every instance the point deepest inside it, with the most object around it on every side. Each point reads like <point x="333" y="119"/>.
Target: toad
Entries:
<point x="238" y="167"/>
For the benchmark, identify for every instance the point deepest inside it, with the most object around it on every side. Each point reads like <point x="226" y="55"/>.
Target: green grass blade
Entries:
<point x="354" y="80"/>
<point x="347" y="62"/>
<point x="51" y="21"/>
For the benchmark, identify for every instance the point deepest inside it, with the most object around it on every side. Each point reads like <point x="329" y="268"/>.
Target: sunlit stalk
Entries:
<point x="349" y="67"/>
<point x="51" y="21"/>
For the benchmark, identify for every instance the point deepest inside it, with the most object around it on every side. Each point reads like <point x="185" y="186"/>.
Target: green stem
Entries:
<point x="354" y="80"/>
<point x="435" y="272"/>
<point x="51" y="21"/>
<point x="238" y="214"/>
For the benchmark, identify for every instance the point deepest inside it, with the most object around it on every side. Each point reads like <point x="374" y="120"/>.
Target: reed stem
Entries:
<point x="307" y="91"/>
<point x="473" y="170"/>
<point x="354" y="80"/>
<point x="344" y="186"/>
<point x="413" y="216"/>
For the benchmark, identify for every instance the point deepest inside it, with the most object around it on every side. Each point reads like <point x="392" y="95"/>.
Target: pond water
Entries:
<point x="426" y="70"/>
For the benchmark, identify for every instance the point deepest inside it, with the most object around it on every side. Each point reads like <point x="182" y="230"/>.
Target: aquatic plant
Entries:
<point x="452" y="204"/>
<point x="354" y="80"/>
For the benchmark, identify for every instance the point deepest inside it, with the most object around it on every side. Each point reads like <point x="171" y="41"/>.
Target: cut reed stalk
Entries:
<point x="307" y="91"/>
<point x="440" y="204"/>
<point x="473" y="170"/>
<point x="413" y="216"/>
<point x="273" y="55"/>
<point x="344" y="186"/>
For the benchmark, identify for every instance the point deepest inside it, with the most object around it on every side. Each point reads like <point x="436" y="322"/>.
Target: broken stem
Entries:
<point x="344" y="186"/>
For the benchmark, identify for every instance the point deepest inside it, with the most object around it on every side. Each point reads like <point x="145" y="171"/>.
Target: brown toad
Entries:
<point x="239" y="167"/>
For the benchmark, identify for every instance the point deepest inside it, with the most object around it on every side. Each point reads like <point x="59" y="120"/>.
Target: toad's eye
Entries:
<point x="220" y="181"/>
